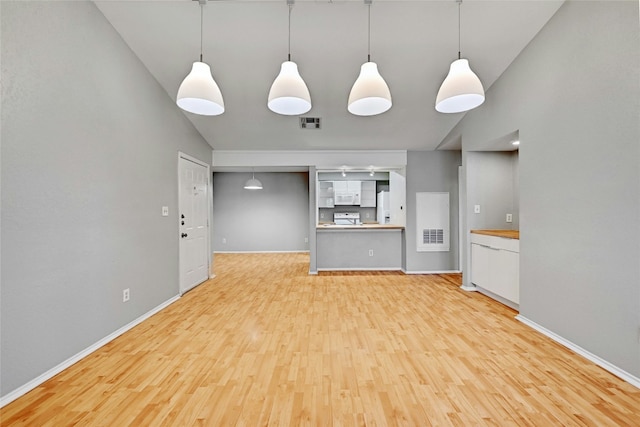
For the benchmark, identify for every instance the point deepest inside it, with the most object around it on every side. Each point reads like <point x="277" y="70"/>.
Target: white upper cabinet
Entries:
<point x="326" y="194"/>
<point x="368" y="194"/>
<point x="347" y="192"/>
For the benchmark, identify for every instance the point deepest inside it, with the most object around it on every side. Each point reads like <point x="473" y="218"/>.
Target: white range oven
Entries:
<point x="346" y="218"/>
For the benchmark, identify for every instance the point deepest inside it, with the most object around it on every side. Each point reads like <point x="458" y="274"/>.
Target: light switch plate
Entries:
<point x="165" y="211"/>
<point x="476" y="209"/>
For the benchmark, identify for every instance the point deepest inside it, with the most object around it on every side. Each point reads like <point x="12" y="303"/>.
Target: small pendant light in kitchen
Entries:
<point x="199" y="93"/>
<point x="461" y="90"/>
<point x="253" y="183"/>
<point x="370" y="94"/>
<point x="289" y="94"/>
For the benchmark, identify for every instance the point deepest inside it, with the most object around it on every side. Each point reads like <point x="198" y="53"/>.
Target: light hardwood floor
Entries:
<point x="264" y="343"/>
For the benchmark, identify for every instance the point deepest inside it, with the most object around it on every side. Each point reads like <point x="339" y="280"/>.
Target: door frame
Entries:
<point x="187" y="157"/>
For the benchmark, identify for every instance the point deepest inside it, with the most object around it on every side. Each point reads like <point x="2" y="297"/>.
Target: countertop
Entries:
<point x="372" y="226"/>
<point x="508" y="234"/>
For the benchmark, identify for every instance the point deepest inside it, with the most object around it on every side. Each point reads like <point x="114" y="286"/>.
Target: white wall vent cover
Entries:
<point x="432" y="222"/>
<point x="433" y="236"/>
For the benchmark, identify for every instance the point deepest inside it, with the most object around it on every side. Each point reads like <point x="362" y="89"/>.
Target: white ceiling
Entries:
<point x="245" y="42"/>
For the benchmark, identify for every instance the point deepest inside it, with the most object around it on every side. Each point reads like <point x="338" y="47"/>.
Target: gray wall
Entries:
<point x="573" y="94"/>
<point x="275" y="218"/>
<point x="89" y="155"/>
<point x="492" y="184"/>
<point x="432" y="171"/>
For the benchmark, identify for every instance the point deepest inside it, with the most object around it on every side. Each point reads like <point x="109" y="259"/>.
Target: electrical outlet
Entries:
<point x="476" y="209"/>
<point x="370" y="252"/>
<point x="165" y="211"/>
<point x="306" y="240"/>
<point x="366" y="215"/>
<point x="224" y="240"/>
<point x="125" y="295"/>
<point x="509" y="218"/>
<point x="321" y="215"/>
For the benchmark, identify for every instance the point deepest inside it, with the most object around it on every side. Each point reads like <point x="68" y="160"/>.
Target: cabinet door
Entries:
<point x="504" y="274"/>
<point x="340" y="186"/>
<point x="325" y="194"/>
<point x="480" y="265"/>
<point x="354" y="186"/>
<point x="325" y="202"/>
<point x="368" y="196"/>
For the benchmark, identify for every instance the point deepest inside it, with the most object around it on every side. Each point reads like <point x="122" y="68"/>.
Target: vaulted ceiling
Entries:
<point x="245" y="42"/>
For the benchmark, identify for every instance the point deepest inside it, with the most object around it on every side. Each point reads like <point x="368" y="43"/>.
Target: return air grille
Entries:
<point x="309" y="122"/>
<point x="432" y="222"/>
<point x="433" y="236"/>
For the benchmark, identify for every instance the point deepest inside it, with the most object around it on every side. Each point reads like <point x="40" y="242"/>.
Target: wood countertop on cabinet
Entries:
<point x="359" y="227"/>
<point x="508" y="234"/>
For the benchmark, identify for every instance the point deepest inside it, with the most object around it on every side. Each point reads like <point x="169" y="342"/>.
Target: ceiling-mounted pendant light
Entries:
<point x="370" y="94"/>
<point x="253" y="183"/>
<point x="462" y="89"/>
<point x="289" y="94"/>
<point x="199" y="93"/>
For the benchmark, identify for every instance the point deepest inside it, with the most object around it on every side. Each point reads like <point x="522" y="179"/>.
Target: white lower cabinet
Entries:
<point x="480" y="265"/>
<point x="495" y="265"/>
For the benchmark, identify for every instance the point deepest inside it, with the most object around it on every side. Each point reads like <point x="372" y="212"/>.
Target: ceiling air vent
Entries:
<point x="309" y="122"/>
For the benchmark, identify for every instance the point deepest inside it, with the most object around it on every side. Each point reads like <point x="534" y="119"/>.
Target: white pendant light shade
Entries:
<point x="289" y="94"/>
<point x="253" y="183"/>
<point x="370" y="94"/>
<point x="461" y="89"/>
<point x="199" y="93"/>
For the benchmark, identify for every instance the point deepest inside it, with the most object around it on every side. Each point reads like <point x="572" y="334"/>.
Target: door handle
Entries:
<point x="182" y="216"/>
<point x="183" y="235"/>
<point x="182" y="222"/>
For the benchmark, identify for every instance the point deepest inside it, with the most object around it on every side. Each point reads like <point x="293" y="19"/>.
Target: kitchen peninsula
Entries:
<point x="360" y="220"/>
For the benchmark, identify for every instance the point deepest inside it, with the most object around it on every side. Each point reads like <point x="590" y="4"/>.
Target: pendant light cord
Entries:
<point x="289" y="45"/>
<point x="201" y="21"/>
<point x="369" y="35"/>
<point x="459" y="32"/>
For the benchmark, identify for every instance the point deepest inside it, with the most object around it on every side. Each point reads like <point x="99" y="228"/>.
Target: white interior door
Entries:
<point x="194" y="219"/>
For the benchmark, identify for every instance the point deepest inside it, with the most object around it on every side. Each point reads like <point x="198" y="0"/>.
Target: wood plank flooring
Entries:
<point x="264" y="344"/>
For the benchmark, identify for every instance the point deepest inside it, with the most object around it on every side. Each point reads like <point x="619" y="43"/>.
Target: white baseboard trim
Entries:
<point x="262" y="252"/>
<point x="433" y="272"/>
<point x="624" y="375"/>
<point x="361" y="269"/>
<point x="24" y="389"/>
<point x="469" y="288"/>
<point x="212" y="276"/>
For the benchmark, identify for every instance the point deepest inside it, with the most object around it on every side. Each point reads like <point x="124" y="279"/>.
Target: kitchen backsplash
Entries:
<point x="325" y="215"/>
